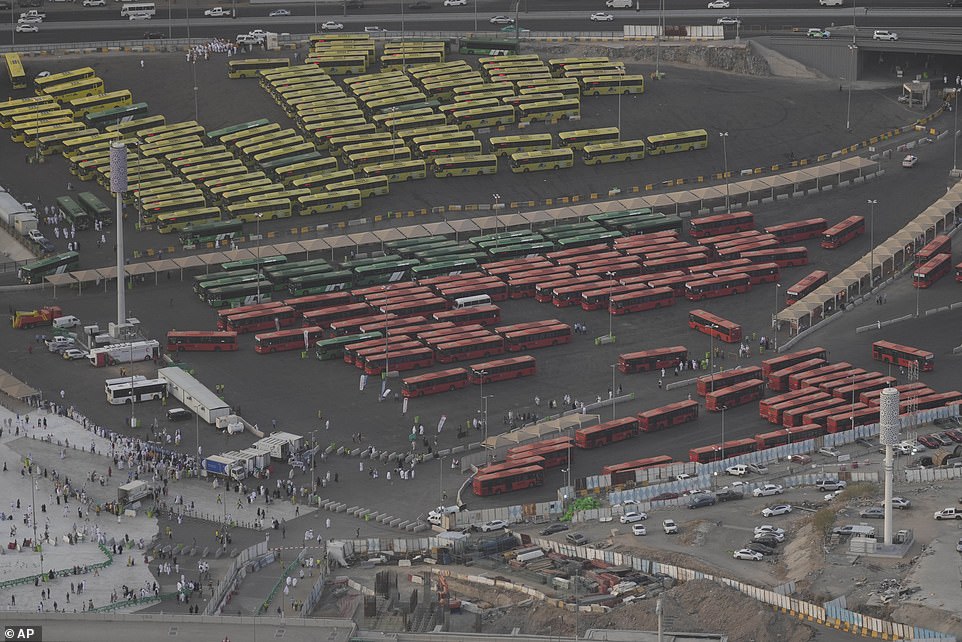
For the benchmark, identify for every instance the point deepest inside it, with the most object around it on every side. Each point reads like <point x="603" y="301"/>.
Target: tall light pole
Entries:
<point x="661" y="29"/>
<point x="723" y="409"/>
<point x="728" y="196"/>
<point x="955" y="132"/>
<point x="851" y="79"/>
<point x="611" y="285"/>
<point x="778" y="286"/>
<point x="259" y="215"/>
<point x="193" y="75"/>
<point x="614" y="394"/>
<point x="484" y="427"/>
<point x="871" y="226"/>
<point x="475" y="16"/>
<point x="315" y="14"/>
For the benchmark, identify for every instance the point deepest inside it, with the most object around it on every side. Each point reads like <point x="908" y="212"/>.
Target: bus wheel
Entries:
<point x="148" y="358"/>
<point x="451" y="388"/>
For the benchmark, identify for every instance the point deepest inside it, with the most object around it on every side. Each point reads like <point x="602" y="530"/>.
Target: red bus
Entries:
<point x="648" y="360"/>
<point x="644" y="251"/>
<point x="784" y="436"/>
<point x="571" y="295"/>
<point x="393" y="299"/>
<point x="936" y="400"/>
<point x="625" y="471"/>
<point x="914" y="389"/>
<point x="710" y="268"/>
<point x="537" y="337"/>
<point x="577" y="261"/>
<point x="528" y="272"/>
<point x="778" y="380"/>
<point x="757" y="273"/>
<point x="905" y="356"/>
<point x="361" y="354"/>
<point x="583" y="251"/>
<point x="736" y="395"/>
<point x="765" y="405"/>
<point x="421" y="326"/>
<point x="511" y="464"/>
<point x="941" y="244"/>
<point x="351" y="350"/>
<point x="831" y="386"/>
<point x="800" y="379"/>
<point x="353" y="325"/>
<point x="790" y="359"/>
<point x="434" y="382"/>
<point x="527" y="287"/>
<point x="721" y="224"/>
<point x="507" y="267"/>
<point x="795" y="416"/>
<point x="720" y="246"/>
<point x="706" y="384"/>
<point x="495" y="289"/>
<point x="710" y="324"/>
<point x="849" y="420"/>
<point x="667" y="416"/>
<point x="805" y="286"/>
<point x="597" y="261"/>
<point x="478" y="314"/>
<point x="631" y="266"/>
<point x="851" y="393"/>
<point x="641" y="239"/>
<point x="843" y="232"/>
<point x="783" y="256"/>
<point x="469" y="349"/>
<point x="647" y="299"/>
<point x="452" y="280"/>
<point x="395" y="325"/>
<point x="555" y="452"/>
<point x="518" y="451"/>
<point x="674" y="283"/>
<point x="738" y="250"/>
<point x="776" y="412"/>
<point x="291" y="339"/>
<point x="318" y="301"/>
<point x="442" y="335"/>
<point x="434" y="342"/>
<point x="244" y="309"/>
<point x="502" y="369"/>
<point x="676" y="262"/>
<point x="798" y="230"/>
<point x="326" y="316"/>
<point x="598" y="299"/>
<point x="199" y="340"/>
<point x="816" y="382"/>
<point x="711" y="241"/>
<point x="544" y="291"/>
<point x="933" y="270"/>
<point x="360" y="294"/>
<point x="507" y="481"/>
<point x="280" y="317"/>
<point x="606" y="433"/>
<point x="820" y="417"/>
<point x="412" y="308"/>
<point x="377" y="298"/>
<point x="717" y="286"/>
<point x="398" y="361"/>
<point x="651" y="278"/>
<point x="717" y="452"/>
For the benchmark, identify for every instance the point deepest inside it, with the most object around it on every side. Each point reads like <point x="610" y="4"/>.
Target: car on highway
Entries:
<point x="747" y="554"/>
<point x="884" y="34"/>
<point x="374" y="29"/>
<point x="420" y="5"/>
<point x="493" y="525"/>
<point x="875" y="512"/>
<point x="818" y="33"/>
<point x="70" y="354"/>
<point x="729" y="20"/>
<point x="728" y="495"/>
<point x="554" y="528"/>
<point x="632" y="516"/>
<point x="217" y="12"/>
<point x="515" y="29"/>
<point x="800" y="459"/>
<point x="601" y="16"/>
<point x="638" y="529"/>
<point x="95" y="3"/>
<point x="25" y="19"/>
<point x="830" y="484"/>
<point x="719" y="4"/>
<point x="330" y="25"/>
<point x="767" y="490"/>
<point x="669" y="526"/>
<point x="767" y="529"/>
<point x="777" y="509"/>
<point x="279" y="13"/>
<point x="455" y="3"/>
<point x="501" y="20"/>
<point x="929" y="441"/>
<point x="138" y="15"/>
<point x="910" y="161"/>
<point x="701" y="500"/>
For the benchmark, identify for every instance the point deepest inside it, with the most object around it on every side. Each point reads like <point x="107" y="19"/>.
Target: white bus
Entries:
<point x="120" y="380"/>
<point x="124" y="353"/>
<point x="138" y="8"/>
<point x="136" y="391"/>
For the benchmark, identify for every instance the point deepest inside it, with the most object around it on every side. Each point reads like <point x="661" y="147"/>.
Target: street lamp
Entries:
<point x="614" y="394"/>
<point x="728" y="196"/>
<point x="852" y="48"/>
<point x="872" y="203"/>
<point x="475" y="16"/>
<point x="193" y="75"/>
<point x="315" y="14"/>
<point x="611" y="285"/>
<point x="723" y="409"/>
<point x="482" y="374"/>
<point x="778" y="286"/>
<point x="259" y="216"/>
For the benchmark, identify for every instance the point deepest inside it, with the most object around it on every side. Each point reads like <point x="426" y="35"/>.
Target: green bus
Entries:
<point x="530" y="237"/>
<point x="520" y="250"/>
<point x="444" y="268"/>
<point x="232" y="296"/>
<point x="570" y="229"/>
<point x="387" y="272"/>
<point x="320" y="283"/>
<point x="588" y="239"/>
<point x="350" y="264"/>
<point x="652" y="224"/>
<point x="94" y="206"/>
<point x="333" y="348"/>
<point x="216" y="135"/>
<point x="507" y="237"/>
<point x="612" y="219"/>
<point x="216" y="233"/>
<point x="77" y="216"/>
<point x="400" y="244"/>
<point x="411" y="252"/>
<point x="115" y="115"/>
<point x="204" y="287"/>
<point x="447" y="166"/>
<point x="202" y="281"/>
<point x="488" y="47"/>
<point x="295" y="265"/>
<point x="454" y="251"/>
<point x="263" y="262"/>
<point x="57" y="264"/>
<point x="282" y="278"/>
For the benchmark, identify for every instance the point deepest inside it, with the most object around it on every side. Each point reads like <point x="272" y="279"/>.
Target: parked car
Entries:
<point x="178" y="414"/>
<point x="829" y="451"/>
<point x="47" y="246"/>
<point x="767" y="529"/>
<point x="554" y="528"/>
<point x="727" y="495"/>
<point x="631" y="517"/>
<point x="665" y="496"/>
<point x="669" y="526"/>
<point x="278" y="13"/>
<point x="747" y="554"/>
<point x="929" y="441"/>
<point x="835" y="493"/>
<point x="71" y="354"/>
<point x="830" y="484"/>
<point x="942" y="439"/>
<point x="949" y="513"/>
<point x="760" y="548"/>
<point x="777" y="509"/>
<point x="767" y="490"/>
<point x="958" y="546"/>
<point x="800" y="459"/>
<point x="738" y="470"/>
<point x="759" y="469"/>
<point x="768" y="540"/>
<point x="493" y="525"/>
<point x="578" y="539"/>
<point x="901" y="503"/>
<point x="702" y="500"/>
<point x="729" y="20"/>
<point x="954" y="435"/>
<point x="638" y="529"/>
<point x="874" y="512"/>
<point x="884" y="34"/>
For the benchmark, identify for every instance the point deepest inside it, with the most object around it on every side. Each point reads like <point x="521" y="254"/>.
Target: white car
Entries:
<point x="138" y="15"/>
<point x="601" y="16"/>
<point x="829" y="451"/>
<point x="738" y="470"/>
<point x="748" y="554"/>
<point x="278" y="13"/>
<point x="729" y="20"/>
<point x="885" y="34"/>
<point x="258" y="33"/>
<point x="35" y="235"/>
<point x="455" y="3"/>
<point x="217" y="12"/>
<point x="768" y="529"/>
<point x="670" y="527"/>
<point x="835" y="493"/>
<point x="330" y="25"/>
<point x="682" y="476"/>
<point x="374" y="29"/>
<point x="25" y="19"/>
<point x="767" y="490"/>
<point x="95" y="3"/>
<point x="493" y="525"/>
<point x="777" y="509"/>
<point x="632" y="517"/>
<point x="26" y="27"/>
<point x="910" y="161"/>
<point x="719" y="4"/>
<point x="74" y="353"/>
<point x="819" y="33"/>
<point x="639" y="529"/>
<point x="900" y="502"/>
<point x="501" y="20"/>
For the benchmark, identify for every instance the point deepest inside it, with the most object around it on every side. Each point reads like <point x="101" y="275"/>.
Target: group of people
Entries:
<point x="205" y="49"/>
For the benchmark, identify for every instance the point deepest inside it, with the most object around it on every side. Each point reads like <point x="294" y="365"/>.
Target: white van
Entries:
<point x="66" y="322"/>
<point x="620" y="4"/>
<point x="470" y="301"/>
<point x="830" y="3"/>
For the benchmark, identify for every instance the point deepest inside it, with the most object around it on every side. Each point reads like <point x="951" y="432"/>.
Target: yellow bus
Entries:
<point x="8" y="116"/>
<point x="291" y="106"/>
<point x="254" y="210"/>
<point x="676" y="142"/>
<point x="278" y="86"/>
<point x="269" y="75"/>
<point x="329" y="118"/>
<point x="85" y="166"/>
<point x="484" y="116"/>
<point x="340" y="142"/>
<point x="604" y="85"/>
<point x="28" y="132"/>
<point x="348" y="108"/>
<point x="234" y="139"/>
<point x="56" y="117"/>
<point x="288" y="173"/>
<point x="569" y="90"/>
<point x="508" y="145"/>
<point x="373" y="79"/>
<point x="581" y="71"/>
<point x="67" y="129"/>
<point x="150" y="168"/>
<point x="303" y="95"/>
<point x="134" y="188"/>
<point x="177" y="221"/>
<point x="42" y="82"/>
<point x="408" y="135"/>
<point x="470" y="98"/>
<point x="550" y="110"/>
<point x="150" y="176"/>
<point x="444" y="91"/>
<point x="68" y="91"/>
<point x="414" y="122"/>
<point x="197" y="156"/>
<point x="370" y="186"/>
<point x="218" y="187"/>
<point x="523" y="162"/>
<point x="514" y="74"/>
<point x="166" y="147"/>
<point x="169" y="137"/>
<point x="378" y="156"/>
<point x="280" y="141"/>
<point x="370" y="145"/>
<point x="240" y="195"/>
<point x="368" y="51"/>
<point x="468" y="103"/>
<point x="250" y="67"/>
<point x="474" y="165"/>
<point x="450" y="66"/>
<point x="340" y="65"/>
<point x="455" y="148"/>
<point x="133" y="127"/>
<point x="398" y="171"/>
<point x="409" y="59"/>
<point x="171" y="191"/>
<point x="493" y="70"/>
<point x="376" y="106"/>
<point x="248" y="144"/>
<point x="167" y="130"/>
<point x="291" y="194"/>
<point x="484" y="60"/>
<point x="284" y="152"/>
<point x="324" y="135"/>
<point x="227" y="167"/>
<point x="486" y="87"/>
<point x="295" y="90"/>
<point x="323" y="39"/>
<point x="446" y="73"/>
<point x="381" y="94"/>
<point x="319" y="181"/>
<point x="72" y="146"/>
<point x="614" y="152"/>
<point x="324" y="202"/>
<point x="156" y="208"/>
<point x="448" y="137"/>
<point x="578" y="138"/>
<point x="386" y="118"/>
<point x="83" y="106"/>
<point x="557" y="65"/>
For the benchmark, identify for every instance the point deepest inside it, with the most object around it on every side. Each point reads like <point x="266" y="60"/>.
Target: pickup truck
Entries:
<point x="32" y="13"/>
<point x="218" y="12"/>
